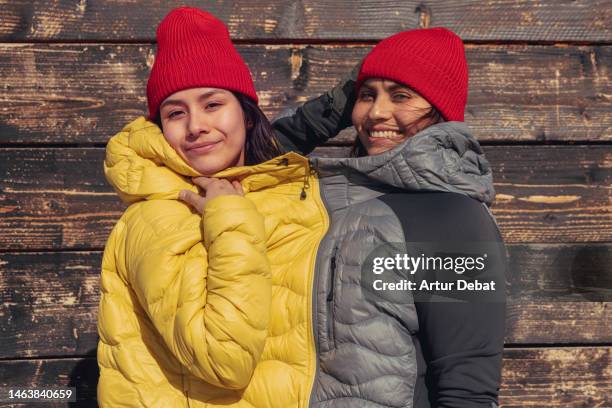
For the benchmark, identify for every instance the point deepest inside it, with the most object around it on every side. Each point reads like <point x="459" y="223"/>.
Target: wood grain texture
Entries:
<point x="50" y="300"/>
<point x="549" y="322"/>
<point x="49" y="303"/>
<point x="556" y="377"/>
<point x="560" y="273"/>
<point x="58" y="93"/>
<point x="543" y="20"/>
<point x="58" y="198"/>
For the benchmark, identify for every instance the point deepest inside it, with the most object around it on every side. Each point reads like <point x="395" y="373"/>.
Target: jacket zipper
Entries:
<point x="313" y="289"/>
<point x="330" y="298"/>
<point x="315" y="281"/>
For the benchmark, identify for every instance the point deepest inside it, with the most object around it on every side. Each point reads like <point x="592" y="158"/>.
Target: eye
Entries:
<point x="401" y="96"/>
<point x="174" y="114"/>
<point x="366" y="96"/>
<point x="213" y="105"/>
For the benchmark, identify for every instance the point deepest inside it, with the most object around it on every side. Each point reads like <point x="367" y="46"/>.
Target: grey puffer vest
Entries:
<point x="366" y="353"/>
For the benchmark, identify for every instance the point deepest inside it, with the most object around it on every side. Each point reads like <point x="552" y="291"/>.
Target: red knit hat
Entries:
<point x="430" y="61"/>
<point x="194" y="50"/>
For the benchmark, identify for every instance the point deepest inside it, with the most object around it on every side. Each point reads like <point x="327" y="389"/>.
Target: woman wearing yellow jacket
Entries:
<point x="206" y="304"/>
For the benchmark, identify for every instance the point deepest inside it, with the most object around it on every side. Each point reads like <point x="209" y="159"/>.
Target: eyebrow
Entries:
<point x="389" y="88"/>
<point x="205" y="95"/>
<point x="396" y="86"/>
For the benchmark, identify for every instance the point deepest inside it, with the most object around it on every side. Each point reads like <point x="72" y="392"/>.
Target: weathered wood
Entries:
<point x="542" y="20"/>
<point x="551" y="322"/>
<point x="49" y="301"/>
<point x="558" y="377"/>
<point x="562" y="273"/>
<point x="58" y="198"/>
<point x="555" y="377"/>
<point x="58" y="93"/>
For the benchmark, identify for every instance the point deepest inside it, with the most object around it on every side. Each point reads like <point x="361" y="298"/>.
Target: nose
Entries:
<point x="380" y="110"/>
<point x="198" y="124"/>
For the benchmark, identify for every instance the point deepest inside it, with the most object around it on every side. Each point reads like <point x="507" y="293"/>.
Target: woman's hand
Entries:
<point x="213" y="187"/>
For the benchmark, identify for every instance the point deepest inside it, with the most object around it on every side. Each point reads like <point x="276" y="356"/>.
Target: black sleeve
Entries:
<point x="318" y="119"/>
<point x="462" y="342"/>
<point x="462" y="345"/>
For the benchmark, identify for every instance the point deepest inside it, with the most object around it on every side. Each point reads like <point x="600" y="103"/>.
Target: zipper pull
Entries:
<point x="312" y="168"/>
<point x="306" y="181"/>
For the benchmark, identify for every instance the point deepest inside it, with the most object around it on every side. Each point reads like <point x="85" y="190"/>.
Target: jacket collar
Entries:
<point x="141" y="165"/>
<point x="443" y="157"/>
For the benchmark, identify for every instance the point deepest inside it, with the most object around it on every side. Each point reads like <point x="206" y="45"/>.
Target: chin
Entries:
<point x="213" y="162"/>
<point x="208" y="169"/>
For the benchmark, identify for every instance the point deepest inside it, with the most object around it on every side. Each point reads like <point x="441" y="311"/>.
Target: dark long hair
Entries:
<point x="431" y="117"/>
<point x="261" y="144"/>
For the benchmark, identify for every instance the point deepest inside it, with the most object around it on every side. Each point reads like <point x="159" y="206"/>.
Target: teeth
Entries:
<point x="385" y="133"/>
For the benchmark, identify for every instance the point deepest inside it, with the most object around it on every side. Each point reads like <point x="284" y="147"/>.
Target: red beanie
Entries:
<point x="430" y="61"/>
<point x="194" y="50"/>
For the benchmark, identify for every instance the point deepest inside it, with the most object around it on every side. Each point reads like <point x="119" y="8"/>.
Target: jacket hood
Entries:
<point x="141" y="165"/>
<point x="443" y="157"/>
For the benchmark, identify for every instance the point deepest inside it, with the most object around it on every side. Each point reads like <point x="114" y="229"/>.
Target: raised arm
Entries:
<point x="319" y="119"/>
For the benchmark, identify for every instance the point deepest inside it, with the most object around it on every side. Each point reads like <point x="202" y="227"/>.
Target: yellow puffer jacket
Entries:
<point x="212" y="311"/>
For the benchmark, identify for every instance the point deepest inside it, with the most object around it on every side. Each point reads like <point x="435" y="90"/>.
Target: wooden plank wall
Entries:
<point x="73" y="72"/>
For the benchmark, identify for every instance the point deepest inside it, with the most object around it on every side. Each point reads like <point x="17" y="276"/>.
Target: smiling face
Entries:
<point x="386" y="113"/>
<point x="206" y="127"/>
